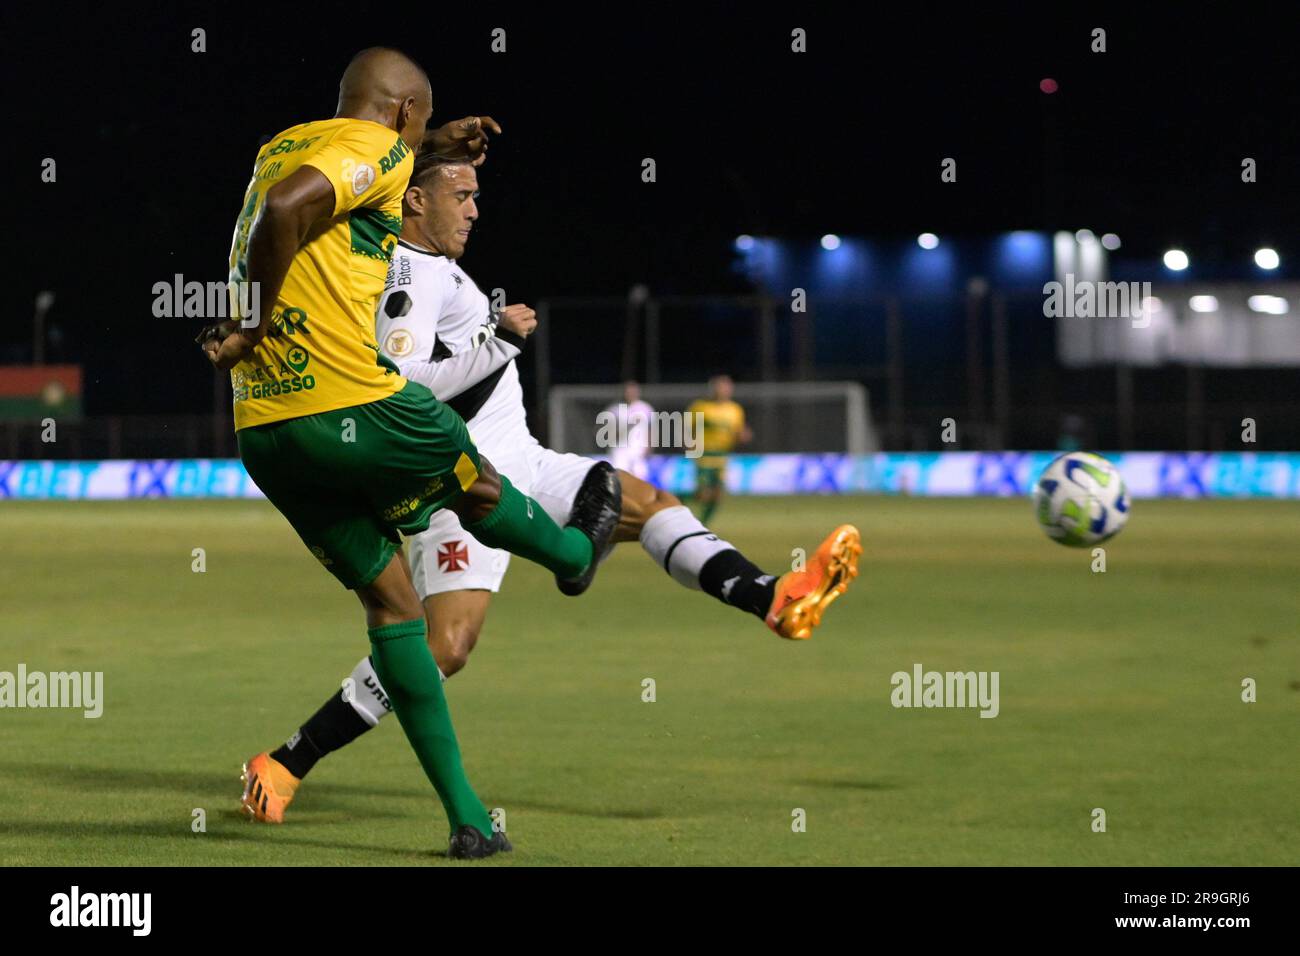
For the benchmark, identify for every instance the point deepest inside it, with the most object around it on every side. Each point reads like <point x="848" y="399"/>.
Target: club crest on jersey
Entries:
<point x="399" y="343"/>
<point x="297" y="358"/>
<point x="453" y="556"/>
<point x="363" y="177"/>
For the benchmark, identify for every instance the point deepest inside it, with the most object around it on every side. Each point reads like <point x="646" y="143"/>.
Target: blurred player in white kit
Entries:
<point x="635" y="419"/>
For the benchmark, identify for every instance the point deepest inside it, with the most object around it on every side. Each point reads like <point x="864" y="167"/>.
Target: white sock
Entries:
<point x="368" y="696"/>
<point x="680" y="545"/>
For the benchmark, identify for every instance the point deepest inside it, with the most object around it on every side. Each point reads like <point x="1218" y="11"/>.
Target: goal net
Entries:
<point x="785" y="417"/>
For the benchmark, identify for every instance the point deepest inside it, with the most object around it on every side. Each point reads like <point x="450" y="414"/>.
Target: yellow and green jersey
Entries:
<point x="723" y="423"/>
<point x="320" y="352"/>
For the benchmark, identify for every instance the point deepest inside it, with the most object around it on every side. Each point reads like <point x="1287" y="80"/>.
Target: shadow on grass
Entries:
<point x="870" y="785"/>
<point x="232" y="828"/>
<point x="605" y="813"/>
<point x="205" y="788"/>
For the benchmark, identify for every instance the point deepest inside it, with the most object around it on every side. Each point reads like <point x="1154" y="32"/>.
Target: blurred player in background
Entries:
<point x="439" y="327"/>
<point x="634" y="418"/>
<point x="349" y="451"/>
<point x="724" y="429"/>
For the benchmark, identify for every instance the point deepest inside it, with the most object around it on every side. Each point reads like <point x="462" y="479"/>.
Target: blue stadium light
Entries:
<point x="1110" y="242"/>
<point x="1023" y="255"/>
<point x="929" y="268"/>
<point x="1267" y="259"/>
<point x="830" y="241"/>
<point x="1176" y="260"/>
<point x="744" y="243"/>
<point x="927" y="240"/>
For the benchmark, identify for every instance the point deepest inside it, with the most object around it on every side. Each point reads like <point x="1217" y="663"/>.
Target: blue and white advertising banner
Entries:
<point x="941" y="474"/>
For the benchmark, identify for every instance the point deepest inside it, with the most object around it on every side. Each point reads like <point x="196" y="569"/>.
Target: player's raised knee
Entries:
<point x="451" y="645"/>
<point x="642" y="499"/>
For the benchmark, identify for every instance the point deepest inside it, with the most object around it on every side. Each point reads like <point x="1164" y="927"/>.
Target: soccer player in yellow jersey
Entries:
<point x="350" y="452"/>
<point x="430" y="320"/>
<point x="724" y="429"/>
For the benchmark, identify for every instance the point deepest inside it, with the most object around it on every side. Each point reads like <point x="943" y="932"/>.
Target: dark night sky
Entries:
<point x="155" y="143"/>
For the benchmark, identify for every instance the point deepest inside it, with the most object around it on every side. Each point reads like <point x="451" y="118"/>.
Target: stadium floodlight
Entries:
<point x="1176" y="260"/>
<point x="1110" y="241"/>
<point x="1267" y="258"/>
<point x="744" y="243"/>
<point x="1268" y="304"/>
<point x="830" y="241"/>
<point x="1203" y="303"/>
<point x="927" y="240"/>
<point x="1083" y="235"/>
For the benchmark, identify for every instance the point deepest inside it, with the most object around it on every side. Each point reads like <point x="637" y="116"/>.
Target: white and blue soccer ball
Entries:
<point x="1080" y="500"/>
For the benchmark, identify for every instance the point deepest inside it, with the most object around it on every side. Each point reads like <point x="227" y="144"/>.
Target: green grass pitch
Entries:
<point x="1119" y="691"/>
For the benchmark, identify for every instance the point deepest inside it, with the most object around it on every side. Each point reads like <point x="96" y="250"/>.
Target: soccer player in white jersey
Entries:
<point x="440" y="330"/>
<point x="634" y="419"/>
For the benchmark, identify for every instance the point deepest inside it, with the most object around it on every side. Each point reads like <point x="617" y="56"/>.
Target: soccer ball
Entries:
<point x="1080" y="500"/>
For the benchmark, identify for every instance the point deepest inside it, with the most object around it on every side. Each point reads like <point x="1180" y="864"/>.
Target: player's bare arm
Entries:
<point x="290" y="210"/>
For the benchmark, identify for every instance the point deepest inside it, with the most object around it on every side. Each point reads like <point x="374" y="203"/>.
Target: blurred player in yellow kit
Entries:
<point x="724" y="429"/>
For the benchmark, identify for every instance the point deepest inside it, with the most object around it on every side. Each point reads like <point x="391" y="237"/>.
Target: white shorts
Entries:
<point x="446" y="557"/>
<point x="631" y="460"/>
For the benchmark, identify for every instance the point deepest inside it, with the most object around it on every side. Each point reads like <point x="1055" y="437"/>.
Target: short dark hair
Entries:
<point x="427" y="163"/>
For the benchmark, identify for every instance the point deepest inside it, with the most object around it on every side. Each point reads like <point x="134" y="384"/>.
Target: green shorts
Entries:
<point x="351" y="481"/>
<point x="710" y="476"/>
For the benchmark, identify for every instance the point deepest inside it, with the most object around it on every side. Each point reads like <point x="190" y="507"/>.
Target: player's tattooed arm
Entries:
<point x="289" y="210"/>
<point x="462" y="139"/>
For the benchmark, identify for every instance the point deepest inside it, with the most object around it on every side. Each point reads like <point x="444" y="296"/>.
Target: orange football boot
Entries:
<point x="268" y="789"/>
<point x="802" y="597"/>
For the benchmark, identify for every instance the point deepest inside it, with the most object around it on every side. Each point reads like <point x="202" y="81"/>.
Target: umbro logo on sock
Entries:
<point x="377" y="692"/>
<point x="727" y="585"/>
<point x="293" y="741"/>
<point x="765" y="579"/>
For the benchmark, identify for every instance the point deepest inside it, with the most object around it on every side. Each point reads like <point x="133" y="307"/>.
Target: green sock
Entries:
<point x="519" y="525"/>
<point x="409" y="676"/>
<point x="706" y="511"/>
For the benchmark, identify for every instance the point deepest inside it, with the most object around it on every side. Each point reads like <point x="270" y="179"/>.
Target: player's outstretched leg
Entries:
<point x="497" y="514"/>
<point x="803" y="595"/>
<point x="791" y="605"/>
<point x="596" y="511"/>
